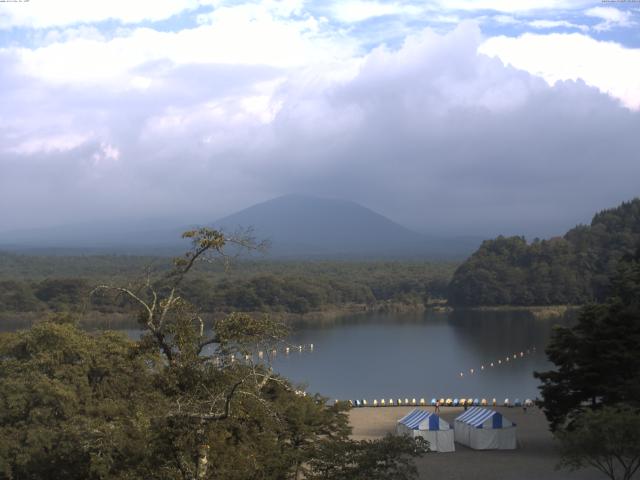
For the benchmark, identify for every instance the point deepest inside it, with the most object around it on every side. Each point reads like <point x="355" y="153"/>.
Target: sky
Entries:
<point x="460" y="117"/>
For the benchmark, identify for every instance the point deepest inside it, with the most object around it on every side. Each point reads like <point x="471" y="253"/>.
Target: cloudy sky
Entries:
<point x="458" y="116"/>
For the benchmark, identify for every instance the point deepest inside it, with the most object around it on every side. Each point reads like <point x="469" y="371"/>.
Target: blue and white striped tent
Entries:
<point x="483" y="429"/>
<point x="428" y="425"/>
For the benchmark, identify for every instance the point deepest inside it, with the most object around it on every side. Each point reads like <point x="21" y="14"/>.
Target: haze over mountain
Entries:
<point x="295" y="225"/>
<point x="299" y="225"/>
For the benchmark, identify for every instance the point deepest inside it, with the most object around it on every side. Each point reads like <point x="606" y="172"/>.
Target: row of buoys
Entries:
<point x="448" y="402"/>
<point x="233" y="357"/>
<point x="287" y="350"/>
<point x="500" y="361"/>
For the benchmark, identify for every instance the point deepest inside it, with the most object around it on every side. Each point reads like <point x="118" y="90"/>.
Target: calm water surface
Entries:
<point x="422" y="355"/>
<point x="418" y="355"/>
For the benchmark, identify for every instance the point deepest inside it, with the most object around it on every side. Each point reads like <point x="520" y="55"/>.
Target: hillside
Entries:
<point x="573" y="269"/>
<point x="302" y="226"/>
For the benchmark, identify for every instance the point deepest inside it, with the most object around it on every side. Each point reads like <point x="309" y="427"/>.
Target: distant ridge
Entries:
<point x="298" y="227"/>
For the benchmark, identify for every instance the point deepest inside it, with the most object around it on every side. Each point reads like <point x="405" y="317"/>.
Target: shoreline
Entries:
<point x="540" y="312"/>
<point x="95" y="319"/>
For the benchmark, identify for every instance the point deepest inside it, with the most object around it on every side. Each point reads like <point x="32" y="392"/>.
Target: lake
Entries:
<point x="422" y="355"/>
<point x="417" y="355"/>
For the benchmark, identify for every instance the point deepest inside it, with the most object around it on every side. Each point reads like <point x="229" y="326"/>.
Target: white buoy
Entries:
<point x="481" y="367"/>
<point x="499" y="362"/>
<point x="461" y="374"/>
<point x="300" y="348"/>
<point x="286" y="350"/>
<point x="471" y="371"/>
<point x="492" y="364"/>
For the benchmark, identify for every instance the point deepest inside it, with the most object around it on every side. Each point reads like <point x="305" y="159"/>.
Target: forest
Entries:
<point x="572" y="270"/>
<point x="32" y="284"/>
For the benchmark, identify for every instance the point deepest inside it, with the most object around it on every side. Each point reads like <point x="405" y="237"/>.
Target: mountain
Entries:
<point x="297" y="227"/>
<point x="304" y="226"/>
<point x="573" y="269"/>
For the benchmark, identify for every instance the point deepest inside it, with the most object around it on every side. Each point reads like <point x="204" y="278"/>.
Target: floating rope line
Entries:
<point x="501" y="361"/>
<point x="442" y="402"/>
<point x="260" y="355"/>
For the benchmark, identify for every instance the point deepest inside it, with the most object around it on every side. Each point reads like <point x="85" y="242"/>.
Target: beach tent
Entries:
<point x="421" y="423"/>
<point x="484" y="429"/>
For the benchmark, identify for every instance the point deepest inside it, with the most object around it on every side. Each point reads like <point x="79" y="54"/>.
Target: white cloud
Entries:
<point x="249" y="34"/>
<point x="613" y="17"/>
<point x="105" y="153"/>
<point x="608" y="66"/>
<point x="62" y="142"/>
<point x="505" y="19"/>
<point x="359" y="10"/>
<point x="510" y="6"/>
<point x="61" y="13"/>
<point x="548" y="24"/>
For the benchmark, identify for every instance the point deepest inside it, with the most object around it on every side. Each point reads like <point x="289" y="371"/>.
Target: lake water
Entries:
<point x="418" y="355"/>
<point x="422" y="355"/>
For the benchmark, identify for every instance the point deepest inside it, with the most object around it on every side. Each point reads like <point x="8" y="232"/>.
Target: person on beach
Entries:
<point x="437" y="407"/>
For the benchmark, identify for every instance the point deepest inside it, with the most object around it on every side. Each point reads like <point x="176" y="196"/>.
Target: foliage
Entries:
<point x="607" y="439"/>
<point x="295" y="287"/>
<point x="598" y="359"/>
<point x="390" y="457"/>
<point x="186" y="401"/>
<point x="574" y="269"/>
<point x="73" y="403"/>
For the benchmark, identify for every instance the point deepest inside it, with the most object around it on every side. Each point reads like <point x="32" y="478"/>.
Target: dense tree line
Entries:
<point x="573" y="269"/>
<point x="268" y="287"/>
<point x="591" y="397"/>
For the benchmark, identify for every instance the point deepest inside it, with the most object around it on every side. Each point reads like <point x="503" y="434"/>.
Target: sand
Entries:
<point x="534" y="459"/>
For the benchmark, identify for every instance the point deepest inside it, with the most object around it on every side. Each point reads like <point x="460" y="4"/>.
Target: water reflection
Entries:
<point x="422" y="355"/>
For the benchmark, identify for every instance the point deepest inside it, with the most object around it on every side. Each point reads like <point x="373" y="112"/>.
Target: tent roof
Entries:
<point x="477" y="416"/>
<point x="416" y="416"/>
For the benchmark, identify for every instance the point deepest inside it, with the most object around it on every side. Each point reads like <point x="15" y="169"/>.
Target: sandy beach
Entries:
<point x="534" y="459"/>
